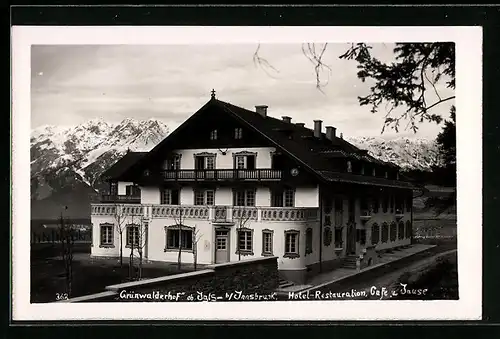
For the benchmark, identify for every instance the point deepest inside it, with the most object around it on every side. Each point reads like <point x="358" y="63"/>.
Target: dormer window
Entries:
<point x="349" y="167"/>
<point x="238" y="133"/>
<point x="213" y="135"/>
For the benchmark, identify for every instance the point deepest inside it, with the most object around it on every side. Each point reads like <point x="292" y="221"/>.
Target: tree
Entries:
<point x="179" y="222"/>
<point x="139" y="245"/>
<point x="241" y="216"/>
<point x="196" y="239"/>
<point x="120" y="226"/>
<point x="66" y="232"/>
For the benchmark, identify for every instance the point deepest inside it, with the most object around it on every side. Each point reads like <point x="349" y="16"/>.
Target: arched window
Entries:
<point x="375" y="234"/>
<point x="385" y="232"/>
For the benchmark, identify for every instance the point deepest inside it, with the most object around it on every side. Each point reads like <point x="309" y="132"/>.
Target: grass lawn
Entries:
<point x="89" y="275"/>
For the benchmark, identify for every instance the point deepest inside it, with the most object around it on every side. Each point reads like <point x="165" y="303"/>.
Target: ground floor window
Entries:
<point x="375" y="234"/>
<point x="132" y="236"/>
<point x="245" y="241"/>
<point x="385" y="232"/>
<point x="291" y="244"/>
<point x="267" y="242"/>
<point x="401" y="230"/>
<point x="309" y="241"/>
<point x="394" y="229"/>
<point x="182" y="237"/>
<point x="106" y="231"/>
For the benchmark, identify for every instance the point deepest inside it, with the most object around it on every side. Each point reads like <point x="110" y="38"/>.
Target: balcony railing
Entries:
<point x="222" y="175"/>
<point x="117" y="198"/>
<point x="216" y="214"/>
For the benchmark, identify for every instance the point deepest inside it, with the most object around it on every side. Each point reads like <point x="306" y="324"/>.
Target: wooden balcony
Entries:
<point x="223" y="175"/>
<point x="118" y="198"/>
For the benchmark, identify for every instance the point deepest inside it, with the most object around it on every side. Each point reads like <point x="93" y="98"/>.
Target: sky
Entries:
<point x="71" y="84"/>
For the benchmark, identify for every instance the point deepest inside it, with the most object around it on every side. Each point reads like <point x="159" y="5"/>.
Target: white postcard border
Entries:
<point x="469" y="163"/>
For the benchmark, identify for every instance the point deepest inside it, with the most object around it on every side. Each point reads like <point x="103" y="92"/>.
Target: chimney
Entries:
<point x="317" y="128"/>
<point x="286" y="119"/>
<point x="300" y="124"/>
<point x="262" y="110"/>
<point x="330" y="132"/>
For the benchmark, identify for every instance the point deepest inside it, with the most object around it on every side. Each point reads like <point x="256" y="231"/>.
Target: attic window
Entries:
<point x="238" y="133"/>
<point x="213" y="135"/>
<point x="349" y="167"/>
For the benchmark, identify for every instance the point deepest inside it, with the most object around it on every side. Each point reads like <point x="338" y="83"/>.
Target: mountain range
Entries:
<point x="66" y="162"/>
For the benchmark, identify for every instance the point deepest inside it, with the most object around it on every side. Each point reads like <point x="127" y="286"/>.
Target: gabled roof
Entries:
<point x="122" y="165"/>
<point x="297" y="141"/>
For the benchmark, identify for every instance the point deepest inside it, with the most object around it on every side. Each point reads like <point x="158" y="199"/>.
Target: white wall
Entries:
<point x="122" y="187"/>
<point x="263" y="159"/>
<point x="307" y="196"/>
<point x="150" y="195"/>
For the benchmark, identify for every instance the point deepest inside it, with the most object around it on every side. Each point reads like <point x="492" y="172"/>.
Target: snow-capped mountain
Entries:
<point x="66" y="162"/>
<point x="409" y="154"/>
<point x="67" y="158"/>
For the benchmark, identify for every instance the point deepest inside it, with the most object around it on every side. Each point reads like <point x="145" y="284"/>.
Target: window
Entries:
<point x="399" y="205"/>
<point x="267" y="242"/>
<point x="238" y="133"/>
<point x="327" y="236"/>
<point x="375" y="204"/>
<point x="309" y="241"/>
<point x="349" y="167"/>
<point x="397" y="175"/>
<point x="401" y="230"/>
<point x="204" y="197"/>
<point x="176" y="237"/>
<point x="106" y="235"/>
<point x="385" y="203"/>
<point x="283" y="198"/>
<point x="132" y="190"/>
<point x="338" y="238"/>
<point x="375" y="234"/>
<point x="240" y="162"/>
<point x="133" y="236"/>
<point x="291" y="244"/>
<point x="409" y="230"/>
<point x="213" y="135"/>
<point x="174" y="163"/>
<point x="364" y="206"/>
<point x="409" y="203"/>
<point x="374" y="172"/>
<point x="245" y="241"/>
<point x="386" y="175"/>
<point x="209" y="163"/>
<point x="113" y="188"/>
<point x="339" y="212"/>
<point x="244" y="197"/>
<point x="385" y="232"/>
<point x="362" y="169"/>
<point x="394" y="229"/>
<point x="169" y="197"/>
<point x="244" y="160"/>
